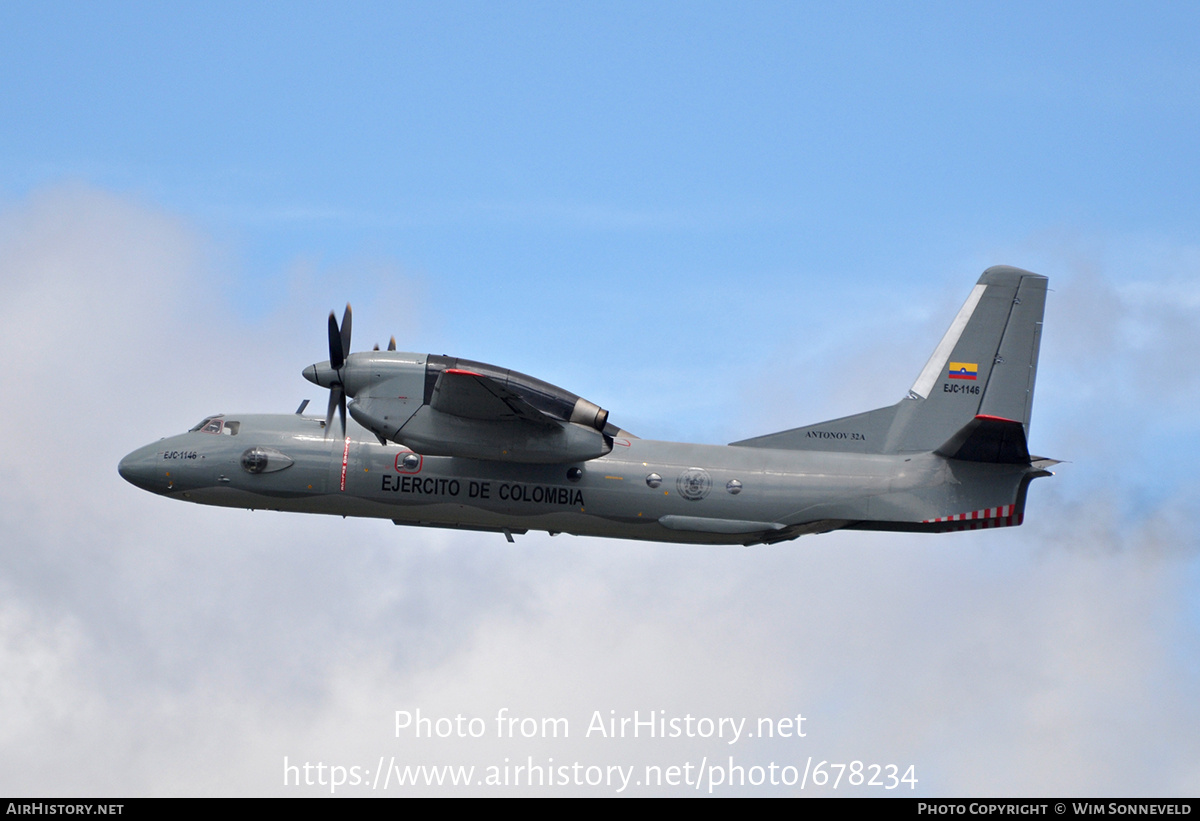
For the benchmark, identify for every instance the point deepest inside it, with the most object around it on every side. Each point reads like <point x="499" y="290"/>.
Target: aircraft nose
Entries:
<point x="140" y="468"/>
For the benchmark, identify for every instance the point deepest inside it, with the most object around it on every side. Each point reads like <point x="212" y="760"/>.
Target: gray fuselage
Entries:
<point x="643" y="489"/>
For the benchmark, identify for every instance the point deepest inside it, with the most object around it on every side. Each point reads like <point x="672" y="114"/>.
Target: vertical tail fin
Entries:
<point x="984" y="366"/>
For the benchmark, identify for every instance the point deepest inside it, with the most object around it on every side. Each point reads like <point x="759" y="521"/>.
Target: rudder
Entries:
<point x="985" y="365"/>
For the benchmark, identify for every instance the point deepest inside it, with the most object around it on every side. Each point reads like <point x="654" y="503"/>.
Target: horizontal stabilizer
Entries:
<point x="988" y="439"/>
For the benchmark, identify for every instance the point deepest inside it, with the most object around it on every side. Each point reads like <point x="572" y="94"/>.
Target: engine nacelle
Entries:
<point x="480" y="412"/>
<point x="432" y="433"/>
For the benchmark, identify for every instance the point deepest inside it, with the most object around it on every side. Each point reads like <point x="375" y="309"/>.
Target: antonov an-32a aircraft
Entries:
<point x="443" y="442"/>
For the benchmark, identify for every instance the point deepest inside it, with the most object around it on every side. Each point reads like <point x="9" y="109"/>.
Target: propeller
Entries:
<point x="339" y="348"/>
<point x="332" y="374"/>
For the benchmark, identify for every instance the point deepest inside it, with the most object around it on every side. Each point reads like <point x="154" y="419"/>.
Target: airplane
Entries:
<point x="443" y="442"/>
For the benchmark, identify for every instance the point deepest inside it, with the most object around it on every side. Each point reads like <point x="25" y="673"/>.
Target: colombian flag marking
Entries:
<point x="964" y="370"/>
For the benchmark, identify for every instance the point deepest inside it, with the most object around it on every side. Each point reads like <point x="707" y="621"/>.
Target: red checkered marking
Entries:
<point x="1003" y="516"/>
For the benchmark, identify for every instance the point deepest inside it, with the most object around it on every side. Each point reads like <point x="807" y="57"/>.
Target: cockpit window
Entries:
<point x="217" y="424"/>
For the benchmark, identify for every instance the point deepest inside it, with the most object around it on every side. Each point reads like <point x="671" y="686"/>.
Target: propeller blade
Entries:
<point x="337" y="355"/>
<point x="339" y="348"/>
<point x="346" y="331"/>
<point x="337" y="399"/>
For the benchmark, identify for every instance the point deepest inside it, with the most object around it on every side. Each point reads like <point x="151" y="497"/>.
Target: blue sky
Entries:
<point x="716" y="220"/>
<point x="767" y="138"/>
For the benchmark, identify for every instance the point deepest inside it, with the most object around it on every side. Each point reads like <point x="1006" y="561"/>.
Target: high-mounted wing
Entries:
<point x="438" y="408"/>
<point x="472" y="395"/>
